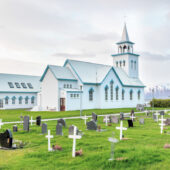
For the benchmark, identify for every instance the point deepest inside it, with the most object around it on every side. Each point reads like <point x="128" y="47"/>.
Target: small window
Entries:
<point x="111" y="90"/>
<point x="13" y="100"/>
<point x="32" y="100"/>
<point x="124" y="63"/>
<point x="67" y="85"/>
<point x="30" y="85"/>
<point x="131" y="95"/>
<point x="120" y="64"/>
<point x="7" y="100"/>
<point x="106" y="93"/>
<point x="71" y="95"/>
<point x="116" y="63"/>
<point x="26" y="100"/>
<point x="10" y="84"/>
<point x="70" y="86"/>
<point x="64" y="85"/>
<point x="139" y="95"/>
<point x="17" y="85"/>
<point x="91" y="94"/>
<point x="23" y="85"/>
<point x="123" y="94"/>
<point x="75" y="95"/>
<point x="20" y="100"/>
<point x="117" y="93"/>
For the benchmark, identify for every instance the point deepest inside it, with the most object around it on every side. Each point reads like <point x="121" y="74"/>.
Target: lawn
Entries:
<point x="144" y="149"/>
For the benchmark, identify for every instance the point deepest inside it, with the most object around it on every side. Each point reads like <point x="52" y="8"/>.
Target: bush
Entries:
<point x="160" y="103"/>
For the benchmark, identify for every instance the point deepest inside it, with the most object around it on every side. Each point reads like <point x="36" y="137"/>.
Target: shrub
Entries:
<point x="160" y="102"/>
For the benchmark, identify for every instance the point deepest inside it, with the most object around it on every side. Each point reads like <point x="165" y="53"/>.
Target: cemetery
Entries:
<point x="100" y="139"/>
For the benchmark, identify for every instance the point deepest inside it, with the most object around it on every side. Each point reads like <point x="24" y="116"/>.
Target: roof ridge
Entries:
<point x="19" y="74"/>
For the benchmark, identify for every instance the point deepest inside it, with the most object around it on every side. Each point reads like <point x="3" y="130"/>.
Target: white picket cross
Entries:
<point x="1" y="123"/>
<point x="49" y="140"/>
<point x="106" y="120"/>
<point x="121" y="128"/>
<point x="132" y="117"/>
<point x="74" y="137"/>
<point x="162" y="123"/>
<point x="157" y="116"/>
<point x="85" y="119"/>
<point x="31" y="121"/>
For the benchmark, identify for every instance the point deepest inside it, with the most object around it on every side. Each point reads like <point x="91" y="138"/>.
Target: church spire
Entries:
<point x="125" y="37"/>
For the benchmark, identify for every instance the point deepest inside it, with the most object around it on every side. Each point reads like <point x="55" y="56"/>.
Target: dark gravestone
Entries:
<point x="141" y="121"/>
<point x="26" y="123"/>
<point x="154" y="117"/>
<point x="59" y="129"/>
<point x="162" y="113"/>
<point x="167" y="122"/>
<point x="114" y="119"/>
<point x="130" y="123"/>
<point x="6" y="139"/>
<point x="91" y="125"/>
<point x="62" y="121"/>
<point x="15" y="128"/>
<point x="94" y="117"/>
<point x="71" y="130"/>
<point x="38" y="120"/>
<point x="121" y="116"/>
<point x="44" y="128"/>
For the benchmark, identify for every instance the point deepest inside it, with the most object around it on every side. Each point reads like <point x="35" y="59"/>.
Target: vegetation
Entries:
<point x="143" y="150"/>
<point x="160" y="103"/>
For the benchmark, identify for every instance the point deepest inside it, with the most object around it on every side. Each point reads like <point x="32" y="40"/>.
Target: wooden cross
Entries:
<point x="107" y="119"/>
<point x="1" y="123"/>
<point x="112" y="140"/>
<point x="121" y="128"/>
<point x="49" y="142"/>
<point x="74" y="137"/>
<point x="162" y="123"/>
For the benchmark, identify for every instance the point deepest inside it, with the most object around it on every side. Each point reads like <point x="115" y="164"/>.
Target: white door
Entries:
<point x="1" y="103"/>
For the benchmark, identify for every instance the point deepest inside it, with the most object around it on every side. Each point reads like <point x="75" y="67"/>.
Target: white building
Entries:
<point x="82" y="85"/>
<point x="18" y="91"/>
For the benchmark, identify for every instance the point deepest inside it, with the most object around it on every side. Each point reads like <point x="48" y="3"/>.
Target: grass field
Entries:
<point x="144" y="149"/>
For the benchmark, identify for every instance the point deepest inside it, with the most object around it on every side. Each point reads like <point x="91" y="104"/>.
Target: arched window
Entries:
<point x="124" y="63"/>
<point x="124" y="48"/>
<point x="138" y="94"/>
<point x="91" y="94"/>
<point x="120" y="63"/>
<point x="131" y="64"/>
<point x="6" y="100"/>
<point x="117" y="93"/>
<point x="123" y="94"/>
<point x="135" y="65"/>
<point x="32" y="100"/>
<point x="111" y="90"/>
<point x="117" y="63"/>
<point x="131" y="94"/>
<point x="20" y="100"/>
<point x="67" y="86"/>
<point x="106" y="92"/>
<point x="13" y="99"/>
<point x="120" y="48"/>
<point x="26" y="100"/>
<point x="128" y="49"/>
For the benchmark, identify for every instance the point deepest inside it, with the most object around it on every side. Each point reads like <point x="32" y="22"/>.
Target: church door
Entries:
<point x="1" y="103"/>
<point x="62" y="104"/>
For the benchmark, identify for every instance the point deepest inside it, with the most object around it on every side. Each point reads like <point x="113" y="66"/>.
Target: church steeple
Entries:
<point x="125" y="36"/>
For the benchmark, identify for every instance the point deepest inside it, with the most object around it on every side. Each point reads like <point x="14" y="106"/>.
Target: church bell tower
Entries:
<point x="126" y="59"/>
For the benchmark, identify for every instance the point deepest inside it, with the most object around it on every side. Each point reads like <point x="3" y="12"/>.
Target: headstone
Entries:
<point x="167" y="122"/>
<point x="38" y="120"/>
<point x="162" y="113"/>
<point x="121" y="128"/>
<point x="114" y="119"/>
<point x="85" y="119"/>
<point x="26" y="123"/>
<point x="59" y="129"/>
<point x="74" y="137"/>
<point x="6" y="139"/>
<point x="121" y="116"/>
<point x="62" y="121"/>
<point x="140" y="107"/>
<point x="141" y="121"/>
<point x="49" y="136"/>
<point x="44" y="128"/>
<point x="15" y="128"/>
<point x="106" y="119"/>
<point x="130" y="123"/>
<point x="94" y="117"/>
<point x="91" y="125"/>
<point x="154" y="117"/>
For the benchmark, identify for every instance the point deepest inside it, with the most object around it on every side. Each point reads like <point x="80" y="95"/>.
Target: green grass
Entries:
<point x="14" y="115"/>
<point x="144" y="150"/>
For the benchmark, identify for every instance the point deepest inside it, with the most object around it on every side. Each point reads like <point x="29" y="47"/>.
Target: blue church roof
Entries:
<point x="19" y="83"/>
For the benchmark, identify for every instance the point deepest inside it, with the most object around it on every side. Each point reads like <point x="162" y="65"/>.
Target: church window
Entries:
<point x="124" y="63"/>
<point x="64" y="85"/>
<point x="124" y="49"/>
<point x="91" y="94"/>
<point x="26" y="100"/>
<point x="117" y="93"/>
<point x="13" y="99"/>
<point x="20" y="100"/>
<point x="32" y="100"/>
<point x="23" y="85"/>
<point x="75" y="95"/>
<point x="111" y="90"/>
<point x="30" y="85"/>
<point x="70" y="86"/>
<point x="10" y="84"/>
<point x="116" y="63"/>
<point x="120" y="64"/>
<point x="135" y="65"/>
<point x="67" y="85"/>
<point x="71" y="95"/>
<point x="6" y="100"/>
<point x="131" y="64"/>
<point x="106" y="93"/>
<point x="17" y="85"/>
<point x="139" y="95"/>
<point x="123" y="94"/>
<point x="131" y="95"/>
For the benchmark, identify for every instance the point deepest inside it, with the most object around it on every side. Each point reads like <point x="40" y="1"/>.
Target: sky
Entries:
<point x="35" y="33"/>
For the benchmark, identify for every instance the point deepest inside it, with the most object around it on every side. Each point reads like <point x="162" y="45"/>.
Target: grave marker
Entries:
<point x="49" y="140"/>
<point x="26" y="123"/>
<point x="74" y="137"/>
<point x="85" y="119"/>
<point x="1" y="123"/>
<point x="6" y="139"/>
<point x="59" y="129"/>
<point x="141" y="121"/>
<point x="162" y="123"/>
<point x="132" y="117"/>
<point x="107" y="120"/>
<point x="94" y="117"/>
<point x="62" y="121"/>
<point x="121" y="128"/>
<point x="38" y="120"/>
<point x="44" y="128"/>
<point x="15" y="128"/>
<point x="31" y="121"/>
<point x="91" y="125"/>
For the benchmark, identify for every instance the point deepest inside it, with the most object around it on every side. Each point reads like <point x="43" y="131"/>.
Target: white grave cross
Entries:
<point x="74" y="137"/>
<point x="49" y="140"/>
<point x="112" y="140"/>
<point x="121" y="128"/>
<point x="132" y="117"/>
<point x="85" y="119"/>
<point x="157" y="116"/>
<point x="107" y="119"/>
<point x="31" y="121"/>
<point x="162" y="123"/>
<point x="1" y="123"/>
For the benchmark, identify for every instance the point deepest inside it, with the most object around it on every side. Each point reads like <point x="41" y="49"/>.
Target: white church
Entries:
<point x="82" y="85"/>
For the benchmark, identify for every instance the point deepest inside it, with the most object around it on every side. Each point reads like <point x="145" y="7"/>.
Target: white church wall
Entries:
<point x="23" y="105"/>
<point x="49" y="92"/>
<point x="132" y="71"/>
<point x="61" y="84"/>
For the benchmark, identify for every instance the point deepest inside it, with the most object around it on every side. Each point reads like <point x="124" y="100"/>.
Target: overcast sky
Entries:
<point x="34" y="33"/>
